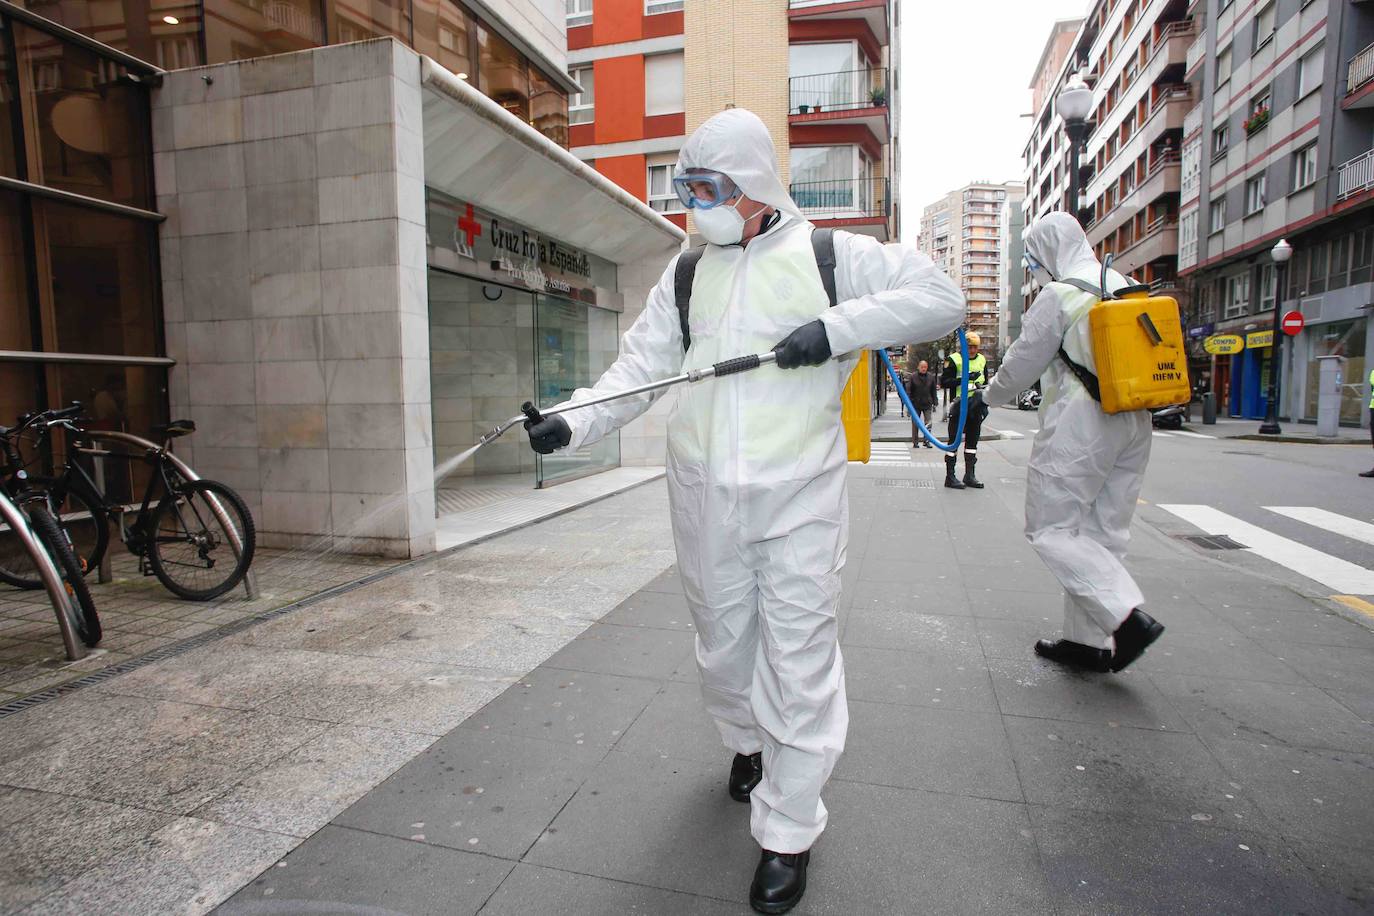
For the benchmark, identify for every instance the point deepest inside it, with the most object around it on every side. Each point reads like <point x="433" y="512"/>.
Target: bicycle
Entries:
<point x="35" y="504"/>
<point x="186" y="539"/>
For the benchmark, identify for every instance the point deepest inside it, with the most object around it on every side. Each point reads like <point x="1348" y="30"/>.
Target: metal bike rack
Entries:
<point x="250" y="586"/>
<point x="47" y="571"/>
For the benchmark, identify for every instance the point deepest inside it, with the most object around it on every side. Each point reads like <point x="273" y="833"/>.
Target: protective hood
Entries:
<point x="1059" y="244"/>
<point x="736" y="142"/>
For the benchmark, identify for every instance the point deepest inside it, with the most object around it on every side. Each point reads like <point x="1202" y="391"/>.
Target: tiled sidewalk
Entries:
<point x="1214" y="776"/>
<point x="138" y="615"/>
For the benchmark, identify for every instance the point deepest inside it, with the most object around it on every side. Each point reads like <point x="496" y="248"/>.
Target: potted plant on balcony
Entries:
<point x="1258" y="119"/>
<point x="803" y="109"/>
<point x="878" y="96"/>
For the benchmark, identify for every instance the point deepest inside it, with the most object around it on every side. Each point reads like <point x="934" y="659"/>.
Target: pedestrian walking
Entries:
<point x="757" y="463"/>
<point x="1086" y="466"/>
<point x="949" y="381"/>
<point x="922" y="387"/>
<point x="977" y="412"/>
<point x="1370" y="472"/>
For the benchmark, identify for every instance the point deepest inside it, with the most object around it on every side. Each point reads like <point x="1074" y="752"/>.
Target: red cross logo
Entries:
<point x="469" y="226"/>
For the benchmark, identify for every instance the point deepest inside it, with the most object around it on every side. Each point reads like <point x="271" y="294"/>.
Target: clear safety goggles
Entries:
<point x="1030" y="262"/>
<point x="704" y="190"/>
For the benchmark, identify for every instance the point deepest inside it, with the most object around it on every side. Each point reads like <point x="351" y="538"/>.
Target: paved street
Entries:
<point x="456" y="739"/>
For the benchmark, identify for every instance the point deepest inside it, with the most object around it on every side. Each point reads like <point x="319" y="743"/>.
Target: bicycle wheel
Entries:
<point x="190" y="550"/>
<point x="87" y="526"/>
<point x="85" y="620"/>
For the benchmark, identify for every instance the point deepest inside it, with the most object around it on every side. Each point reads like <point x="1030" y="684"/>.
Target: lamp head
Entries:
<point x="1075" y="100"/>
<point x="1281" y="252"/>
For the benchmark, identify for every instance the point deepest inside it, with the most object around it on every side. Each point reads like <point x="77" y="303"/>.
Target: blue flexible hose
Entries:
<point x="963" y="398"/>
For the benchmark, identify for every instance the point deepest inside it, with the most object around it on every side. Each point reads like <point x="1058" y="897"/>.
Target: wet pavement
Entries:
<point x="516" y="728"/>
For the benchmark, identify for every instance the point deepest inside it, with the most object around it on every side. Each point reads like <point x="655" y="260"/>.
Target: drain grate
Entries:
<point x="1211" y="541"/>
<point x="903" y="483"/>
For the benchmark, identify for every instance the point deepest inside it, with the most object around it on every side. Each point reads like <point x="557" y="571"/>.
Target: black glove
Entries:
<point x="806" y="346"/>
<point x="976" y="399"/>
<point x="549" y="434"/>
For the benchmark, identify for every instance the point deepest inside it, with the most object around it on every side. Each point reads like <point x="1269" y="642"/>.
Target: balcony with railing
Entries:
<point x="843" y="97"/>
<point x="1160" y="240"/>
<point x="859" y="203"/>
<point x="1355" y="176"/>
<point x="1359" y="80"/>
<point x="1196" y="52"/>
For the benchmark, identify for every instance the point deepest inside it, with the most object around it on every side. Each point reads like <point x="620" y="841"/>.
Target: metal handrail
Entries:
<point x="87" y="359"/>
<point x="235" y="540"/>
<point x="843" y="90"/>
<point x="1355" y="175"/>
<point x="47" y="572"/>
<point x="845" y="197"/>
<point x="1361" y="70"/>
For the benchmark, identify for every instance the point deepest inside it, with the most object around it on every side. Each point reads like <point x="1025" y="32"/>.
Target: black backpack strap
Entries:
<point x="682" y="289"/>
<point x="823" y="243"/>
<point x="1086" y="378"/>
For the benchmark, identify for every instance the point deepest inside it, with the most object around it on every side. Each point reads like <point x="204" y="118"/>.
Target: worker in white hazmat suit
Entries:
<point x="756" y="466"/>
<point x="1086" y="466"/>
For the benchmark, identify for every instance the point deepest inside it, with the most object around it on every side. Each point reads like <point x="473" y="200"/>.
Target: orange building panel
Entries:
<point x="630" y="172"/>
<point x="619" y="99"/>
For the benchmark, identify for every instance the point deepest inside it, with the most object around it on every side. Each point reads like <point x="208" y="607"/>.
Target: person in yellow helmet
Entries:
<point x="1370" y="472"/>
<point x="978" y="411"/>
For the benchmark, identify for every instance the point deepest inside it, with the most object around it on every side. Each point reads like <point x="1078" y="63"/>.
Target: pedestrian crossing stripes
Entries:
<point x="1332" y="572"/>
<point x="1330" y="521"/>
<point x="889" y="454"/>
<point x="1182" y="432"/>
<point x="1007" y="433"/>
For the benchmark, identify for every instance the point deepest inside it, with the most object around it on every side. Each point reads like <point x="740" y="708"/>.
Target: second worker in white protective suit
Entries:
<point x="757" y="463"/>
<point x="1086" y="466"/>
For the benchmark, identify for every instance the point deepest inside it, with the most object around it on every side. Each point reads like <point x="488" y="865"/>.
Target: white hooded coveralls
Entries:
<point x="1086" y="466"/>
<point x="756" y="467"/>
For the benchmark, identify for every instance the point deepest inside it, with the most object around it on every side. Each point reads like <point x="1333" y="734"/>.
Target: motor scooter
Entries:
<point x="1170" y="417"/>
<point x="1028" y="400"/>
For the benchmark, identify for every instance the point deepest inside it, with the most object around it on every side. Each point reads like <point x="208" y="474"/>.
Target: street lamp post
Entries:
<point x="1073" y="104"/>
<point x="1281" y="252"/>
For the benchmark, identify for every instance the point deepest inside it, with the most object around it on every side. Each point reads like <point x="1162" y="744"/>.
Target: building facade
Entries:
<point x="1280" y="146"/>
<point x="659" y="68"/>
<point x="1013" y="268"/>
<point x="344" y="261"/>
<point x="966" y="233"/>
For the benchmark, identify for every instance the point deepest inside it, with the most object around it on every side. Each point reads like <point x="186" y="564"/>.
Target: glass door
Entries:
<point x="574" y="344"/>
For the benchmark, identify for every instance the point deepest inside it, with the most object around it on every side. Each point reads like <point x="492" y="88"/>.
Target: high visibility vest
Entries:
<point x="977" y="369"/>
<point x="1371" y="389"/>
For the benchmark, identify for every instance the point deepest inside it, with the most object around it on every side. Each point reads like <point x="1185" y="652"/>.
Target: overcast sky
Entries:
<point x="966" y="68"/>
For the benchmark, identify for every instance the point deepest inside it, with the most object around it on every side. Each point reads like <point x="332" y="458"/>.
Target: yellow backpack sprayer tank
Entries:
<point x="856" y="410"/>
<point x="1138" y="350"/>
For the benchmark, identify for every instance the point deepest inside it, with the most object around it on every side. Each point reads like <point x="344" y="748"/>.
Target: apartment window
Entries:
<point x="1310" y="70"/>
<point x="1316" y="264"/>
<point x="1340" y="261"/>
<point x="1259" y="112"/>
<point x="1216" y="215"/>
<point x="1192" y="166"/>
<point x="1221" y="139"/>
<point x="1223" y="64"/>
<point x="652" y="7"/>
<point x="1238" y="300"/>
<point x="579" y="12"/>
<point x="582" y="105"/>
<point x="1305" y="167"/>
<point x="660" y="185"/>
<point x="1362" y="257"/>
<point x="1266" y="287"/>
<point x="663" y="84"/>
<point x="1254" y="194"/>
<point x="825" y="177"/>
<point x="1264" y="27"/>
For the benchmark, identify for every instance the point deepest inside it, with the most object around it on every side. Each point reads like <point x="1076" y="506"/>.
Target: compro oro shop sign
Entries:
<point x="466" y="239"/>
<point x="1224" y="344"/>
<point x="1258" y="340"/>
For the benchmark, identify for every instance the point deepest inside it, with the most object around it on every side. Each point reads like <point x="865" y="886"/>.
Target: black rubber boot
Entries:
<point x="1368" y="473"/>
<point x="1133" y="637"/>
<point x="950" y="480"/>
<point x="779" y="881"/>
<point x="1074" y="655"/>
<point x="970" y="479"/>
<point x="745" y="773"/>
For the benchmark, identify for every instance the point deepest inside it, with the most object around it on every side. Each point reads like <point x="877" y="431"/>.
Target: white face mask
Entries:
<point x="721" y="225"/>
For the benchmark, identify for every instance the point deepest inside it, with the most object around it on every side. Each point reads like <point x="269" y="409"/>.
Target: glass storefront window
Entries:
<point x="239" y="29"/>
<point x="358" y="20"/>
<point x="505" y="78"/>
<point x="166" y="33"/>
<point x="16" y="331"/>
<point x="548" y="107"/>
<point x="9" y="143"/>
<point x="100" y="270"/>
<point x="1340" y="338"/>
<point x="574" y="345"/>
<point x="89" y="125"/>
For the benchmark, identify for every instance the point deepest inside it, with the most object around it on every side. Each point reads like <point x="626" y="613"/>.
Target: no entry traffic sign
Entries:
<point x="1292" y="323"/>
